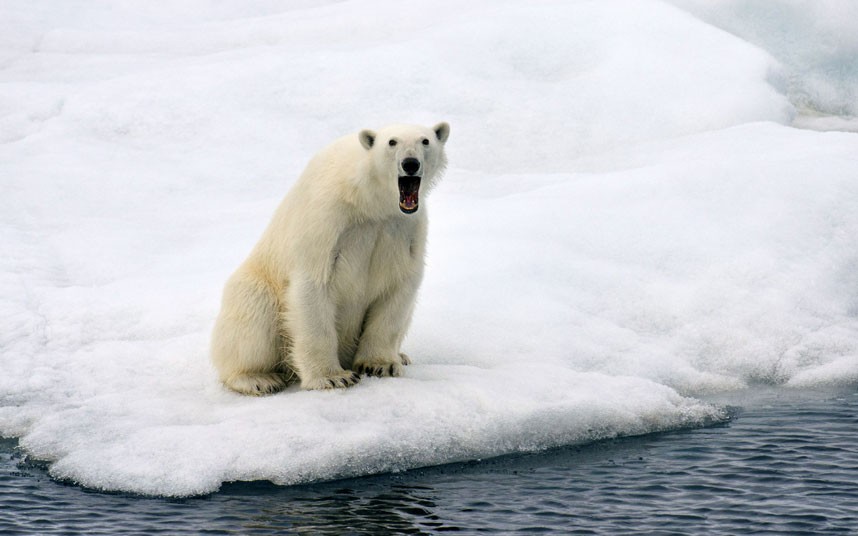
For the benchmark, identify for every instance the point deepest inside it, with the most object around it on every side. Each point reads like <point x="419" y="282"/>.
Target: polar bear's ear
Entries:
<point x="367" y="139"/>
<point x="442" y="131"/>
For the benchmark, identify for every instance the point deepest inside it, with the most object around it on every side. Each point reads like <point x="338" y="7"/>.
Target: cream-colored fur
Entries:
<point x="328" y="291"/>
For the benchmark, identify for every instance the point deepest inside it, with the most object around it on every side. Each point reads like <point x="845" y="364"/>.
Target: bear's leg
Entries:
<point x="246" y="337"/>
<point x="311" y="323"/>
<point x="386" y="322"/>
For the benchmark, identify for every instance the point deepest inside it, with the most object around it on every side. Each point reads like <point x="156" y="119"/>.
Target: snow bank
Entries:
<point x="816" y="42"/>
<point x="627" y="224"/>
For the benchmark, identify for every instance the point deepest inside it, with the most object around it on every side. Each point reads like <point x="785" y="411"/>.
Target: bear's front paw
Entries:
<point x="378" y="368"/>
<point x="345" y="378"/>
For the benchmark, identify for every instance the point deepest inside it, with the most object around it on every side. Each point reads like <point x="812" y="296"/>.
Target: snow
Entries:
<point x="815" y="42"/>
<point x="630" y="222"/>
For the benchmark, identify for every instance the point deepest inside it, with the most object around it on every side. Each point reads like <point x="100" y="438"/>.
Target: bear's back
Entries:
<point x="339" y="158"/>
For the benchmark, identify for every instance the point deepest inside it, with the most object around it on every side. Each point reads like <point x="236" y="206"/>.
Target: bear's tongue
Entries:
<point x="408" y="189"/>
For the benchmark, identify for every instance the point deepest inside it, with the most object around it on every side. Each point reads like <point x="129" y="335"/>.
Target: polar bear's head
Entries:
<point x="407" y="159"/>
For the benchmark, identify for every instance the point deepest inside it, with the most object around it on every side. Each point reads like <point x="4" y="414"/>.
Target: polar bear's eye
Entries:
<point x="392" y="143"/>
<point x="425" y="141"/>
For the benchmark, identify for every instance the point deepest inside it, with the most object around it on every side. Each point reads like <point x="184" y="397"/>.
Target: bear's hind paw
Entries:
<point x="257" y="384"/>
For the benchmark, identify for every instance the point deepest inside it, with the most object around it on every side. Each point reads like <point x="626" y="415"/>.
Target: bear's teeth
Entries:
<point x="409" y="186"/>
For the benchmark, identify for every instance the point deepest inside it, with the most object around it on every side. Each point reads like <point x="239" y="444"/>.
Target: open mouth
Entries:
<point x="409" y="186"/>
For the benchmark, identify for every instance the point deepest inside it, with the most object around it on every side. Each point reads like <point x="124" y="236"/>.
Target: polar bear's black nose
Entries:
<point x="411" y="165"/>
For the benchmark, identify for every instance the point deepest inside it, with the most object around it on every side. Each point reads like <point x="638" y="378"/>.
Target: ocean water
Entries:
<point x="785" y="463"/>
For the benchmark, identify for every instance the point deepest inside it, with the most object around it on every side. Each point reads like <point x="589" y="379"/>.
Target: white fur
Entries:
<point x="329" y="289"/>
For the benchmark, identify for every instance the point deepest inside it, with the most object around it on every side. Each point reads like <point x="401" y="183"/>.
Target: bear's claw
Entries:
<point x="379" y="369"/>
<point x="345" y="379"/>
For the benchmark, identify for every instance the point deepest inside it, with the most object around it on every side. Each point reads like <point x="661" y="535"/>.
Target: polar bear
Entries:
<point x="328" y="291"/>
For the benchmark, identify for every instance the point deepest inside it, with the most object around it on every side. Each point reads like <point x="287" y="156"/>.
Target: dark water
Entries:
<point x="787" y="463"/>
